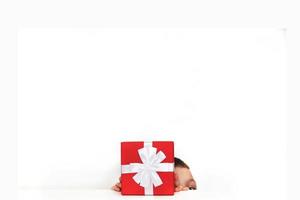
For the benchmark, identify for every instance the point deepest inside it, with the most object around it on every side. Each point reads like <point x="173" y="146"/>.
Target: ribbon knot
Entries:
<point x="147" y="172"/>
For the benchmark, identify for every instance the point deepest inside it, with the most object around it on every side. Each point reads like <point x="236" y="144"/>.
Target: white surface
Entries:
<point x="57" y="194"/>
<point x="219" y="94"/>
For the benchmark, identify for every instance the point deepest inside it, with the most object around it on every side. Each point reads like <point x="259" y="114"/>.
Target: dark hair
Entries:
<point x="179" y="163"/>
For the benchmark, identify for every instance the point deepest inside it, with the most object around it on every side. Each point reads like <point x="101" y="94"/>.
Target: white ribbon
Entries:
<point x="147" y="175"/>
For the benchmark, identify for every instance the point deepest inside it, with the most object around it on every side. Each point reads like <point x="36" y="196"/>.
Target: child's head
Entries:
<point x="183" y="175"/>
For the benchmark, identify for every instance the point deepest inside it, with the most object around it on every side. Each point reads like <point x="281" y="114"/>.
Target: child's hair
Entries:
<point x="180" y="163"/>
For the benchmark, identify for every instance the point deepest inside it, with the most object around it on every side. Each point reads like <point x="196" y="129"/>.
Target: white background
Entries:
<point x="218" y="93"/>
<point x="65" y="13"/>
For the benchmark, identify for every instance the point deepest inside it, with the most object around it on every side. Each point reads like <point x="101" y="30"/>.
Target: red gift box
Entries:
<point x="147" y="168"/>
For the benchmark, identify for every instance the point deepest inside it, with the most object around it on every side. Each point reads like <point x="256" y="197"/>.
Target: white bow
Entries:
<point x="147" y="176"/>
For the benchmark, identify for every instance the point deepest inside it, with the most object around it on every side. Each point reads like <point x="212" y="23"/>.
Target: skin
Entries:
<point x="183" y="180"/>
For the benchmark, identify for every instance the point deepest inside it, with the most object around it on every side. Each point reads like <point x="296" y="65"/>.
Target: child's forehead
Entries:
<point x="182" y="170"/>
